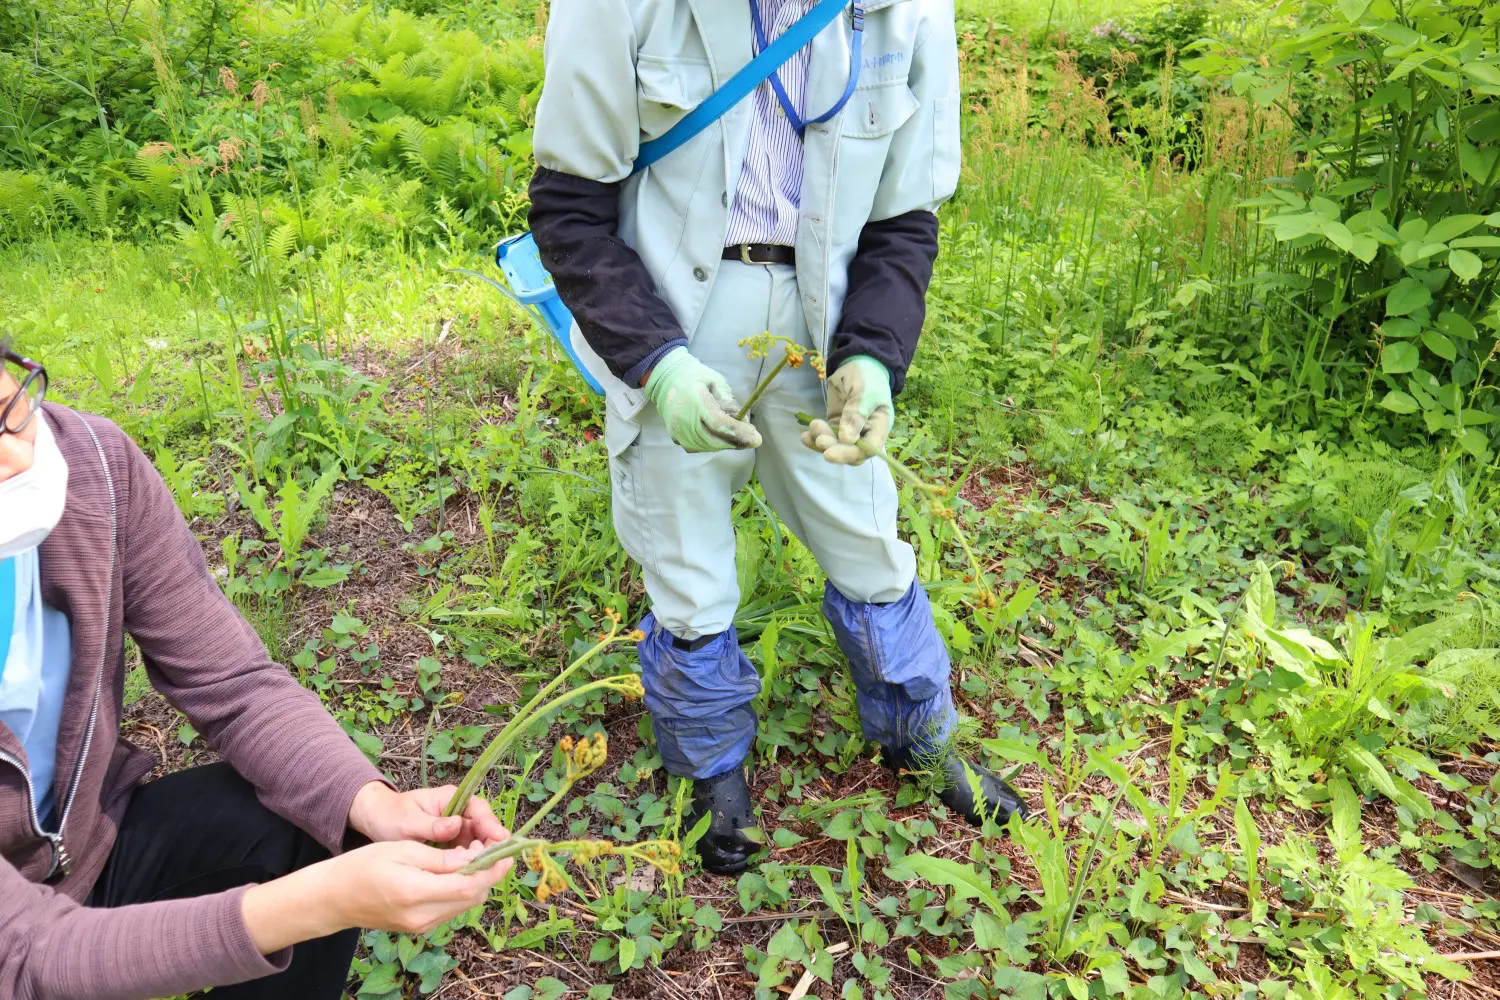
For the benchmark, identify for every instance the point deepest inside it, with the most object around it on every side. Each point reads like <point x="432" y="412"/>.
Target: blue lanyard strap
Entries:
<point x="855" y="58"/>
<point x="7" y="608"/>
<point x="748" y="78"/>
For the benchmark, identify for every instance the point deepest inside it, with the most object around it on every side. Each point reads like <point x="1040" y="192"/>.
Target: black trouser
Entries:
<point x="202" y="831"/>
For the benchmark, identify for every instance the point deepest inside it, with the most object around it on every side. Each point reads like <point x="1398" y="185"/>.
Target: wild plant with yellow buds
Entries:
<point x="794" y="355"/>
<point x="538" y="708"/>
<point x="578" y="758"/>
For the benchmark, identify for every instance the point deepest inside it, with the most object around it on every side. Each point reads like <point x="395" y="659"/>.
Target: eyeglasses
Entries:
<point x="16" y="412"/>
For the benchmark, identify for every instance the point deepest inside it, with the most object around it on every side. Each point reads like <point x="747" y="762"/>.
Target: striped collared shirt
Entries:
<point x="769" y="193"/>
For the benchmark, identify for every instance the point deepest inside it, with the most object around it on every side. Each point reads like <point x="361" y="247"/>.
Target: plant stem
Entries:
<point x="547" y="807"/>
<point x="760" y="390"/>
<point x="514" y="847"/>
<point x="519" y="722"/>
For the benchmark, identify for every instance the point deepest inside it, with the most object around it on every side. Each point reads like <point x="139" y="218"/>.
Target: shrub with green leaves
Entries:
<point x="1394" y="215"/>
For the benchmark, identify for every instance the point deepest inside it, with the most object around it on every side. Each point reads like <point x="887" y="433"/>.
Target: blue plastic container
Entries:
<point x="533" y="290"/>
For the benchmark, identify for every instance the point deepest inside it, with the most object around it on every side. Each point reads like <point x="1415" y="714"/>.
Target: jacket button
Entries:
<point x="700" y="274"/>
<point x="724" y="199"/>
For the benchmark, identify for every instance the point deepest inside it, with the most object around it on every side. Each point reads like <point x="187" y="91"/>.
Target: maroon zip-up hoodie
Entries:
<point x="123" y="560"/>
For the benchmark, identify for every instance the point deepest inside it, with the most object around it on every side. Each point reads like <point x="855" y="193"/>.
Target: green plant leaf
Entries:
<point x="1407" y="297"/>
<point x="1465" y="265"/>
<point x="1478" y="162"/>
<point x="1364" y="247"/>
<point x="627" y="953"/>
<point x="1353" y="10"/>
<point x="1454" y="225"/>
<point x="824" y="880"/>
<point x="1344" y="831"/>
<point x="1399" y="357"/>
<point x="1440" y="345"/>
<point x="963" y="879"/>
<point x="1016" y="752"/>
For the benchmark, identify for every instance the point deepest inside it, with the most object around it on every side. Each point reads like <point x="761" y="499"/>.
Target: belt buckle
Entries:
<point x="745" y="254"/>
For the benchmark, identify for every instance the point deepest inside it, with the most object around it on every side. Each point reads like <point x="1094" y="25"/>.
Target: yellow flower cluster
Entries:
<point x="583" y="757"/>
<point x="553" y="881"/>
<point x="661" y="854"/>
<point x="631" y="688"/>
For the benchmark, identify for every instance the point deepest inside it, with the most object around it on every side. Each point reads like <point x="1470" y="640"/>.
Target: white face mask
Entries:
<point x="32" y="503"/>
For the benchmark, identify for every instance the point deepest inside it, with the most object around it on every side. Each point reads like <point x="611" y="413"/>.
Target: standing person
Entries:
<point x="218" y="876"/>
<point x="807" y="210"/>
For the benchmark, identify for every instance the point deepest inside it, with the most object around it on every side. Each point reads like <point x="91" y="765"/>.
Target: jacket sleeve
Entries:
<point x="886" y="302"/>
<point x="598" y="276"/>
<point x="51" y="948"/>
<point x="586" y="139"/>
<point x="203" y="656"/>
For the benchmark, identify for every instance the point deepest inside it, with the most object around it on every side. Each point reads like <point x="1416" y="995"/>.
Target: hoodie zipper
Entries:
<point x="54" y="839"/>
<point x="61" y="858"/>
<point x="61" y="861"/>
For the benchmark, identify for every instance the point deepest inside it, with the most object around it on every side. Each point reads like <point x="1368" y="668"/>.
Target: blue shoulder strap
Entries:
<point x="742" y="83"/>
<point x="7" y="608"/>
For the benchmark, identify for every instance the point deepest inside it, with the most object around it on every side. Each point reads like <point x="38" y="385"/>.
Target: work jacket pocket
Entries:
<point x="877" y="110"/>
<point x="866" y="128"/>
<point x="668" y="88"/>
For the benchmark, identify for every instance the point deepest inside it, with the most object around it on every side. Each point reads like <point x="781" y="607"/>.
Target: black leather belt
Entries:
<point x="760" y="253"/>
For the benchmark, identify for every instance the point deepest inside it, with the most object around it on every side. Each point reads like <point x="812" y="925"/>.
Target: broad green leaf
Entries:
<point x="1016" y="752"/>
<point x="549" y="988"/>
<point x="1399" y="357"/>
<point x="965" y="881"/>
<point x="1407" y="795"/>
<point x="1365" y="247"/>
<point x="1478" y="162"/>
<point x="1439" y="345"/>
<point x="1483" y="72"/>
<point x="1456" y="325"/>
<point x="824" y="881"/>
<point x="1367" y="765"/>
<point x="1344" y="832"/>
<point x="1303" y="639"/>
<point x="1407" y="297"/>
<point x="989" y="933"/>
<point x="1338" y="234"/>
<point x="1353" y="10"/>
<point x="1260" y="597"/>
<point x="1465" y="265"/>
<point x="1473" y="441"/>
<point x="1454" y="225"/>
<point x="627" y="953"/>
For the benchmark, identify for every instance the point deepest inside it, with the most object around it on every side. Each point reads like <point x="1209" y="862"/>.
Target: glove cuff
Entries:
<point x="665" y="370"/>
<point x="870" y="365"/>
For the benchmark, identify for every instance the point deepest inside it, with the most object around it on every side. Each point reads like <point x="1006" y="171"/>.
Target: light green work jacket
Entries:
<point x="619" y="72"/>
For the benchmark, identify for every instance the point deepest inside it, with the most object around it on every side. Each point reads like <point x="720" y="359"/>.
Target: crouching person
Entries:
<point x="245" y="876"/>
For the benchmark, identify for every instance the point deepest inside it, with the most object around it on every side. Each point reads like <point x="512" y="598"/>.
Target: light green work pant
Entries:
<point x="672" y="509"/>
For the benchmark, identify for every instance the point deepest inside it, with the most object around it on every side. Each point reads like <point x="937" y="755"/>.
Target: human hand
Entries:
<point x="860" y="411"/>
<point x="402" y="887"/>
<point x="697" y="405"/>
<point x="383" y="814"/>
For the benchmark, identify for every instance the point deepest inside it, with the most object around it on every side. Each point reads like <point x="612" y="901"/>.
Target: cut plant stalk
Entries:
<point x="939" y="510"/>
<point x="628" y="685"/>
<point x="795" y="356"/>
<point x="581" y="758"/>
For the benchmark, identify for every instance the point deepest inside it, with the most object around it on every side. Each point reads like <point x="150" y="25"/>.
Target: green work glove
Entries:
<point x="697" y="406"/>
<point x="859" y="411"/>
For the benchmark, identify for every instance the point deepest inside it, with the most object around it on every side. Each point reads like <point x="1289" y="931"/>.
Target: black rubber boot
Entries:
<point x="997" y="800"/>
<point x="733" y="833"/>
